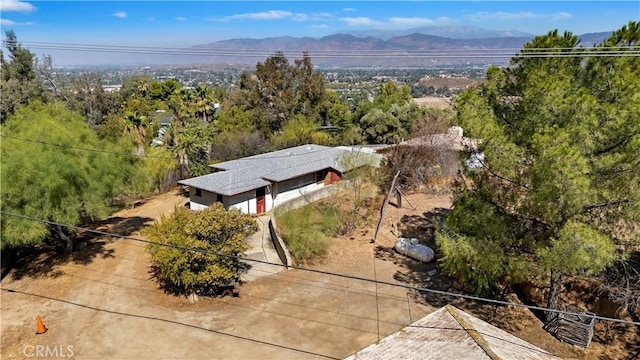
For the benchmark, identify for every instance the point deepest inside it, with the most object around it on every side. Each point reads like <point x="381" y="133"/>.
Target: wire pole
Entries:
<point x="384" y="206"/>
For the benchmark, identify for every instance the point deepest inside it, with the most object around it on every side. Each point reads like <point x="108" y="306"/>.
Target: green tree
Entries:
<point x="231" y="145"/>
<point x="19" y="83"/>
<point x="560" y="173"/>
<point x="217" y="237"/>
<point x="235" y="118"/>
<point x="277" y="91"/>
<point x="157" y="166"/>
<point x="389" y="117"/>
<point x="193" y="146"/>
<point x="381" y="127"/>
<point x="57" y="183"/>
<point x="299" y="131"/>
<point x="84" y="93"/>
<point x="204" y="103"/>
<point x="309" y="88"/>
<point x="162" y="91"/>
<point x="139" y="85"/>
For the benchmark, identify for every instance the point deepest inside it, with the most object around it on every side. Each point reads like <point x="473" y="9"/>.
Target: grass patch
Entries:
<point x="307" y="230"/>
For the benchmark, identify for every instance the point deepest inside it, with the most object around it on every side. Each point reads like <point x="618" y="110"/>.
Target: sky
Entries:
<point x="187" y="23"/>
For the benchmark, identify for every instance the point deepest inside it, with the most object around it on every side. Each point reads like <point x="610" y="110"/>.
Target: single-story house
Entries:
<point x="256" y="184"/>
<point x="450" y="333"/>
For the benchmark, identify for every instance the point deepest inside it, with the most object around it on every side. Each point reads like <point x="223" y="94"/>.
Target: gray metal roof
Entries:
<point x="252" y="172"/>
<point x="226" y="182"/>
<point x="450" y="333"/>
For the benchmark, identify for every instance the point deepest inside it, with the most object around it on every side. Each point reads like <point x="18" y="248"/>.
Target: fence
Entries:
<point x="573" y="329"/>
<point x="278" y="243"/>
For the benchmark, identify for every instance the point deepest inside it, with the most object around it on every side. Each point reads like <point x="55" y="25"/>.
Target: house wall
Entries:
<point x="245" y="202"/>
<point x="268" y="199"/>
<point x="275" y="195"/>
<point x="201" y="202"/>
<point x="293" y="188"/>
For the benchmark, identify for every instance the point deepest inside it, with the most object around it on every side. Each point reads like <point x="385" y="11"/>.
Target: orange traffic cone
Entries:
<point x="41" y="328"/>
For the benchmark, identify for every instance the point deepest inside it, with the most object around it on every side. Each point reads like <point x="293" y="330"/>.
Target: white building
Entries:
<point x="257" y="183"/>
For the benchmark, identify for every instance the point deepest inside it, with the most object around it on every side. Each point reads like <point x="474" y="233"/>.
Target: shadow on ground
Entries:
<point x="44" y="261"/>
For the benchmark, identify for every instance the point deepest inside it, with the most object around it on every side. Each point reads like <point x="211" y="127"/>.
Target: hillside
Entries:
<point x="347" y="50"/>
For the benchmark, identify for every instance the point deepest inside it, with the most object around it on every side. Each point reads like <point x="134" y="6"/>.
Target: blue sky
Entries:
<point x="186" y="23"/>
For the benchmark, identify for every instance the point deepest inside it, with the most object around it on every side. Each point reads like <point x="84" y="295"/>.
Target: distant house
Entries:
<point x="257" y="183"/>
<point x="163" y="119"/>
<point x="450" y="333"/>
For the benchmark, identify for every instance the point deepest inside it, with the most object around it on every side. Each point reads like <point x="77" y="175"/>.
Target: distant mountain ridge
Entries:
<point x="452" y="32"/>
<point x="348" y="50"/>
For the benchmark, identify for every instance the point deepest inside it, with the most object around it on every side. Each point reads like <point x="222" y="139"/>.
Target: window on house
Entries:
<point x="198" y="192"/>
<point x="219" y="198"/>
<point x="320" y="175"/>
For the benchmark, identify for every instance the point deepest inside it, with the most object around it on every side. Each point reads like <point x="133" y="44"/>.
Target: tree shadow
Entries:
<point x="414" y="272"/>
<point x="45" y="261"/>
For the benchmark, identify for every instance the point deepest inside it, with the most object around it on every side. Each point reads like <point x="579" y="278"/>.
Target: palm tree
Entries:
<point x="204" y="102"/>
<point x="136" y="128"/>
<point x="182" y="105"/>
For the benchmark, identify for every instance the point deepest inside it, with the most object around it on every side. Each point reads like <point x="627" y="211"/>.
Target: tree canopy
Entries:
<point x="19" y="83"/>
<point x="46" y="174"/>
<point x="216" y="236"/>
<point x="558" y="189"/>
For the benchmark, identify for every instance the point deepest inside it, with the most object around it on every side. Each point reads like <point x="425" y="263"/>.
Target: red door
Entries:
<point x="261" y="203"/>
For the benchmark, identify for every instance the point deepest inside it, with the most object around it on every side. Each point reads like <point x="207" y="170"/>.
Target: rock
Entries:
<point x="193" y="298"/>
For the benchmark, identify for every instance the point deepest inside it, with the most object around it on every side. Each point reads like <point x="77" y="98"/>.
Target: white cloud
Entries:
<point x="418" y="21"/>
<point x="522" y="15"/>
<point x="561" y="15"/>
<point x="120" y="14"/>
<point x="7" y="22"/>
<point x="16" y="5"/>
<point x="360" y="21"/>
<point x="265" y="15"/>
<point x="320" y="26"/>
<point x="395" y="23"/>
<point x="311" y="17"/>
<point x="349" y="9"/>
<point x="181" y="18"/>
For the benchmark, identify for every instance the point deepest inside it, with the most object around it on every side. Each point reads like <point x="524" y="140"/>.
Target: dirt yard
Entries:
<point x="433" y="101"/>
<point x="101" y="302"/>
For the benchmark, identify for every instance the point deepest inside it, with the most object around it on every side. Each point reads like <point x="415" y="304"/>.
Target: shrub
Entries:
<point x="197" y="252"/>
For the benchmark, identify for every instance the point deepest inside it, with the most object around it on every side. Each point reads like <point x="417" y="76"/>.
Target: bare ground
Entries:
<point x="103" y="303"/>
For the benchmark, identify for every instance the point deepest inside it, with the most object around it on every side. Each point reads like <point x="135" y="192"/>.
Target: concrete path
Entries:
<point x="262" y="249"/>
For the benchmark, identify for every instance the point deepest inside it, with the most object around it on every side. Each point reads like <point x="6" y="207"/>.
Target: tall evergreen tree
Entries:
<point x="562" y="149"/>
<point x="19" y="83"/>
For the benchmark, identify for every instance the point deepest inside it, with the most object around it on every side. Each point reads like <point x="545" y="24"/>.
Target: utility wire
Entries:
<point x="617" y="51"/>
<point x="613" y="47"/>
<point x="346" y="276"/>
<point x="86" y="149"/>
<point x="249" y="158"/>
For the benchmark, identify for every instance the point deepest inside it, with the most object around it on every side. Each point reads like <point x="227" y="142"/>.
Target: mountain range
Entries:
<point x="424" y="47"/>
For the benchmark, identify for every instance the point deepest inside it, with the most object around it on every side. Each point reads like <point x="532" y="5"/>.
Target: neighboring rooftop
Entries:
<point x="450" y="333"/>
<point x="256" y="171"/>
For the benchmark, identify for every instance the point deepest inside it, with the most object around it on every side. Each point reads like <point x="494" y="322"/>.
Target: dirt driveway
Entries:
<point x="102" y="304"/>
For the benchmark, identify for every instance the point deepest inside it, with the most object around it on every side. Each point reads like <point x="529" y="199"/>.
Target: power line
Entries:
<point x="323" y="272"/>
<point x="249" y="158"/>
<point x="613" y="47"/>
<point x="609" y="51"/>
<point x="85" y="149"/>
